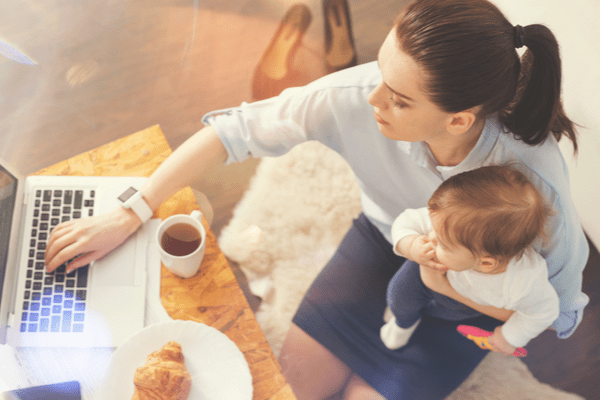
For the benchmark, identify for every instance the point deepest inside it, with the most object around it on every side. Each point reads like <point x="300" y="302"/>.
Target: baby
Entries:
<point x="479" y="226"/>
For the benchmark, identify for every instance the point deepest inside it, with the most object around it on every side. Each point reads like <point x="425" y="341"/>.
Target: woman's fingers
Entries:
<point x="65" y="244"/>
<point x="82" y="260"/>
<point x="87" y="239"/>
<point x="56" y="234"/>
<point x="62" y="226"/>
<point x="64" y="254"/>
<point x="70" y="246"/>
<point x="62" y="246"/>
<point x="59" y="234"/>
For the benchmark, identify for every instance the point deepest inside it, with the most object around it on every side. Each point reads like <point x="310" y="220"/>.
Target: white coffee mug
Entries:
<point x="186" y="265"/>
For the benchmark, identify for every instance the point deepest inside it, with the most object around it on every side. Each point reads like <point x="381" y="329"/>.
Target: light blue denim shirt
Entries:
<point x="395" y="175"/>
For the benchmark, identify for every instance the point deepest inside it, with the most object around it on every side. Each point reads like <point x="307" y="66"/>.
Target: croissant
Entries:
<point x="164" y="376"/>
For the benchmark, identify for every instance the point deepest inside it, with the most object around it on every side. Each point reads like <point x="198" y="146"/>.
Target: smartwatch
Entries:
<point x="132" y="199"/>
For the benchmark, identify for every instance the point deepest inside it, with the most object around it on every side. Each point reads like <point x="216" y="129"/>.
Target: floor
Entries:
<point x="107" y="68"/>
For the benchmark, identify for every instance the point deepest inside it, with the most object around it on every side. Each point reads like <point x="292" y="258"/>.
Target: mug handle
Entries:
<point x="196" y="214"/>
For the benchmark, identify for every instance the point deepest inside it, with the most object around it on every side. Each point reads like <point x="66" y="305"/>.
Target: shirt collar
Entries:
<point x="420" y="153"/>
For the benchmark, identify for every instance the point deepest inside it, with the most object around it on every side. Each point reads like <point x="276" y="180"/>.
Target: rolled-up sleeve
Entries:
<point x="566" y="261"/>
<point x="254" y="130"/>
<point x="323" y="110"/>
<point x="566" y="255"/>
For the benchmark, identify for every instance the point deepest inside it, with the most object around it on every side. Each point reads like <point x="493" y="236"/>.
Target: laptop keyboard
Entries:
<point x="55" y="302"/>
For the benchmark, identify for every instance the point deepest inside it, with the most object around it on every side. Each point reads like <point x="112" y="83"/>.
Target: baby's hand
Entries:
<point x="422" y="251"/>
<point x="497" y="341"/>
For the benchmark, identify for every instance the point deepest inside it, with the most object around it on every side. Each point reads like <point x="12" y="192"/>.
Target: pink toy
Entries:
<point x="480" y="337"/>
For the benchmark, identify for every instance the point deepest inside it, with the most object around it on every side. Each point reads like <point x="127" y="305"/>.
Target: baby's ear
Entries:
<point x="489" y="264"/>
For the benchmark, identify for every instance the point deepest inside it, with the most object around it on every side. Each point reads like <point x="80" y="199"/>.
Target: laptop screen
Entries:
<point x="8" y="193"/>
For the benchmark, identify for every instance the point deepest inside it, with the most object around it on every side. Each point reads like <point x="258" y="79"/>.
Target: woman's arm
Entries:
<point x="92" y="238"/>
<point x="438" y="282"/>
<point x="192" y="159"/>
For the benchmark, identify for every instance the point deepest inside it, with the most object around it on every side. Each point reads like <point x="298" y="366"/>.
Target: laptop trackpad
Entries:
<point x="117" y="268"/>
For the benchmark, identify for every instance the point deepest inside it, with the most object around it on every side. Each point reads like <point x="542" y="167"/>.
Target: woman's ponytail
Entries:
<point x="537" y="108"/>
<point x="467" y="50"/>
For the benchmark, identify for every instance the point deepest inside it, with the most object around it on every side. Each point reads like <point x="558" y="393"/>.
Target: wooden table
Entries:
<point x="213" y="296"/>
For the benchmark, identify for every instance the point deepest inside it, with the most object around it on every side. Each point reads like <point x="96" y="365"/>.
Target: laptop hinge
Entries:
<point x="11" y="319"/>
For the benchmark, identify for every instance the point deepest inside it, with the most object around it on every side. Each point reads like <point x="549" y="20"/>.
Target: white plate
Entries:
<point x="218" y="368"/>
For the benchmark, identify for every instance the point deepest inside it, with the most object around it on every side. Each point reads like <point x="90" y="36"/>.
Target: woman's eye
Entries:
<point x="396" y="104"/>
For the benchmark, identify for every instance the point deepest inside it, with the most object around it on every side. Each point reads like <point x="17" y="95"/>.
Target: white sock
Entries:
<point x="394" y="336"/>
<point x="387" y="315"/>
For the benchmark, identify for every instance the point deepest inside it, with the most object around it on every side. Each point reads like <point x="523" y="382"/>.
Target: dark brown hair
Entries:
<point x="493" y="210"/>
<point x="467" y="49"/>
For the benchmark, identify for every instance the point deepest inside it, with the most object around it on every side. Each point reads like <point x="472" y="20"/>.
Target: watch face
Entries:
<point x="127" y="194"/>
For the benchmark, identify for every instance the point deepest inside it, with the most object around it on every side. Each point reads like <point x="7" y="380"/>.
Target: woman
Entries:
<point x="441" y="99"/>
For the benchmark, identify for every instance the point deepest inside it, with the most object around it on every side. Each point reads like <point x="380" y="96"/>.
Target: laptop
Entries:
<point x="99" y="305"/>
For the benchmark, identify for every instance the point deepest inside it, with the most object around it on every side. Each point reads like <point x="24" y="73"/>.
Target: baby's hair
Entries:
<point x="493" y="210"/>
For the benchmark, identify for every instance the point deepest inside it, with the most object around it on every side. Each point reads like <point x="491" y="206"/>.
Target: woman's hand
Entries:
<point x="418" y="248"/>
<point x="436" y="280"/>
<point x="92" y="238"/>
<point x="499" y="343"/>
<point x="89" y="239"/>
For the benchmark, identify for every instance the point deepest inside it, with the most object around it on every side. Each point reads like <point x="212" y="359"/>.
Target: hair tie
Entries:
<point x="519" y="36"/>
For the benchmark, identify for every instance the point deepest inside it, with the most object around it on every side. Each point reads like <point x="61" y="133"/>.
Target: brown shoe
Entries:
<point x="274" y="71"/>
<point x="340" y="51"/>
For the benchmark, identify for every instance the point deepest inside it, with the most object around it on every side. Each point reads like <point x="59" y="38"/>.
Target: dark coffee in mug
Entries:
<point x="181" y="239"/>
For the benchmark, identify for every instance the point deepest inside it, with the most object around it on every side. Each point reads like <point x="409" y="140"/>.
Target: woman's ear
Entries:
<point x="461" y="122"/>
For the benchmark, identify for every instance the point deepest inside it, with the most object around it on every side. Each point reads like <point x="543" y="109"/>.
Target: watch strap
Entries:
<point x="139" y="206"/>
